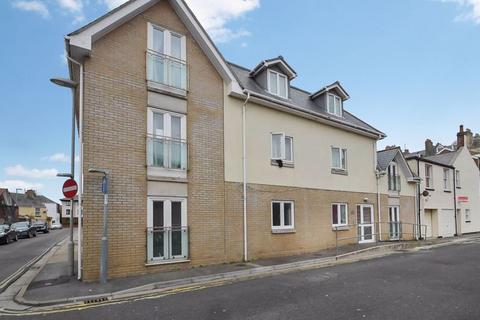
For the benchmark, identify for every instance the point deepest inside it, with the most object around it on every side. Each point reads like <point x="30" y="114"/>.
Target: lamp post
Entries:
<point x="104" y="241"/>
<point x="67" y="83"/>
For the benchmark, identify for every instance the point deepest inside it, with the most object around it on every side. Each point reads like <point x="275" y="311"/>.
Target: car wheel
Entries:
<point x="16" y="238"/>
<point x="35" y="234"/>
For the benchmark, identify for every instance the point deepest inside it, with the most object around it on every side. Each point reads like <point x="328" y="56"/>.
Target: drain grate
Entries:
<point x="103" y="299"/>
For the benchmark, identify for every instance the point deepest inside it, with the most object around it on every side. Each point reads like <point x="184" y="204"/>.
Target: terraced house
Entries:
<point x="210" y="162"/>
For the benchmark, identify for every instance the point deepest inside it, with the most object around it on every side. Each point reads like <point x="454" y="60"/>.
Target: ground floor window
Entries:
<point x="339" y="214"/>
<point x="467" y="215"/>
<point x="167" y="230"/>
<point x="283" y="215"/>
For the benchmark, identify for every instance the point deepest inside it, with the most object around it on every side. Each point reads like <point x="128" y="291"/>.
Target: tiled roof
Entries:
<point x="301" y="100"/>
<point x="384" y="157"/>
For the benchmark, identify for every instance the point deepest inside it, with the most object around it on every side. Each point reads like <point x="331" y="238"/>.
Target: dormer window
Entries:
<point x="334" y="105"/>
<point x="277" y="84"/>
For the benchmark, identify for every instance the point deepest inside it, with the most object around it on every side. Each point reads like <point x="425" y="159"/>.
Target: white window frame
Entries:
<point x="446" y="179"/>
<point x="282" y="225"/>
<point x="337" y="108"/>
<point x="277" y="77"/>
<point x="428" y="176"/>
<point x="457" y="179"/>
<point x="167" y="218"/>
<point x="282" y="147"/>
<point x="339" y="212"/>
<point x="167" y="35"/>
<point x="167" y="132"/>
<point x="343" y="154"/>
<point x="467" y="215"/>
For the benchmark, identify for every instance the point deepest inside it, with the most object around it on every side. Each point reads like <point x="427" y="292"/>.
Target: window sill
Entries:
<point x="429" y="189"/>
<point x="168" y="90"/>
<point x="340" y="172"/>
<point x="286" y="164"/>
<point x="469" y="221"/>
<point x="163" y="262"/>
<point x="340" y="228"/>
<point x="282" y="231"/>
<point x="447" y="191"/>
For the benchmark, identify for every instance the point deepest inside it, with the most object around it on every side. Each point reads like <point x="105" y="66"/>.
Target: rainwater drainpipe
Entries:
<point x="419" y="194"/>
<point x="244" y="141"/>
<point x="379" y="174"/>
<point x="80" y="182"/>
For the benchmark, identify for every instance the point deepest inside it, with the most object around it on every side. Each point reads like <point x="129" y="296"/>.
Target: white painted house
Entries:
<point x="436" y="196"/>
<point x="467" y="188"/>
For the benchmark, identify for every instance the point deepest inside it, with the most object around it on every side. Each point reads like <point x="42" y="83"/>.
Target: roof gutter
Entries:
<point x="270" y="102"/>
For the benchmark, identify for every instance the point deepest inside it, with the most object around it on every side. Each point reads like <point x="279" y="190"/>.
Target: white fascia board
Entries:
<point x="205" y="42"/>
<point x="85" y="38"/>
<point x="292" y="109"/>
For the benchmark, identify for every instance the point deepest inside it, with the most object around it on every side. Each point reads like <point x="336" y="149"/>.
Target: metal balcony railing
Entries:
<point x="378" y="232"/>
<point x="167" y="243"/>
<point x="167" y="70"/>
<point x="166" y="152"/>
<point x="394" y="183"/>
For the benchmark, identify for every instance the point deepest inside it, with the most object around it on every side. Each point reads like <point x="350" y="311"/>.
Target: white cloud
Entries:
<point x="71" y="5"/>
<point x="74" y="7"/>
<point x="33" y="6"/>
<point x="471" y="7"/>
<point x="12" y="185"/>
<point x="60" y="157"/>
<point x="214" y="15"/>
<point x="20" y="171"/>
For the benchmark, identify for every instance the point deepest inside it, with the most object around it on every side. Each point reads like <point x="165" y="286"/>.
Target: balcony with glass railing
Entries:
<point x="167" y="153"/>
<point x="394" y="183"/>
<point x="167" y="73"/>
<point x="167" y="244"/>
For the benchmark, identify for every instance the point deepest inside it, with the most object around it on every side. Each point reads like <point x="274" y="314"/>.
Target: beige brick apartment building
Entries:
<point x="210" y="162"/>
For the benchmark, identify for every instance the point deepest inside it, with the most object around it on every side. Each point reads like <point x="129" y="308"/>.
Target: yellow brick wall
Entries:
<point x="115" y="115"/>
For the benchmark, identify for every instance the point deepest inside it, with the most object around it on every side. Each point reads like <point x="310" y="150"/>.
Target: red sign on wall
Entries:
<point x="462" y="199"/>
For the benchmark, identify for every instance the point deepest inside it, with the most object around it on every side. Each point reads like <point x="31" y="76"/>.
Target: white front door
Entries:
<point x="394" y="222"/>
<point x="366" y="226"/>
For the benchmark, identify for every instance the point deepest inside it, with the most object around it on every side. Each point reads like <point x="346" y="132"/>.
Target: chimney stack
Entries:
<point x="429" y="149"/>
<point x="30" y="194"/>
<point x="461" y="137"/>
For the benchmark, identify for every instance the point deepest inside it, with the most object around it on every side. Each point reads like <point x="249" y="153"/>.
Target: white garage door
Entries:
<point x="446" y="223"/>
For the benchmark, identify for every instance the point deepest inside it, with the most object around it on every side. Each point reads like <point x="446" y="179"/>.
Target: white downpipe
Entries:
<point x="244" y="141"/>
<point x="379" y="206"/>
<point x="80" y="180"/>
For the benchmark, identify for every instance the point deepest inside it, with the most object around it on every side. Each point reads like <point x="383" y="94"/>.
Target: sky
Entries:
<point x="411" y="67"/>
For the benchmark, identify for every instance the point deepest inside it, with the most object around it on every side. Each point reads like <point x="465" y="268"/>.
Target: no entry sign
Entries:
<point x="70" y="188"/>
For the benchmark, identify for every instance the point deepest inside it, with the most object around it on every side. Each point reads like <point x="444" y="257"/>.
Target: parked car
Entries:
<point x="7" y="234"/>
<point x="24" y="229"/>
<point x="56" y="226"/>
<point x="41" y="226"/>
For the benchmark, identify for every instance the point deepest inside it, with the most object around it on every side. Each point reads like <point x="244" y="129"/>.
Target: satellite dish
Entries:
<point x="425" y="193"/>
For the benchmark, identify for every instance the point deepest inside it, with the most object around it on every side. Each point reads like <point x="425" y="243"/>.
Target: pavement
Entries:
<point x="52" y="284"/>
<point x="433" y="282"/>
<point x="17" y="254"/>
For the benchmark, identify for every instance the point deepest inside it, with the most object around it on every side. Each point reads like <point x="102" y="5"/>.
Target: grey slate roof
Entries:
<point x="38" y="201"/>
<point x="447" y="158"/>
<point x="384" y="157"/>
<point x="301" y="99"/>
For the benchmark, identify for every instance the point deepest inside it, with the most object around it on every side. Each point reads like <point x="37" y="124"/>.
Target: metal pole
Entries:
<point x="70" y="248"/>
<point x="104" y="242"/>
